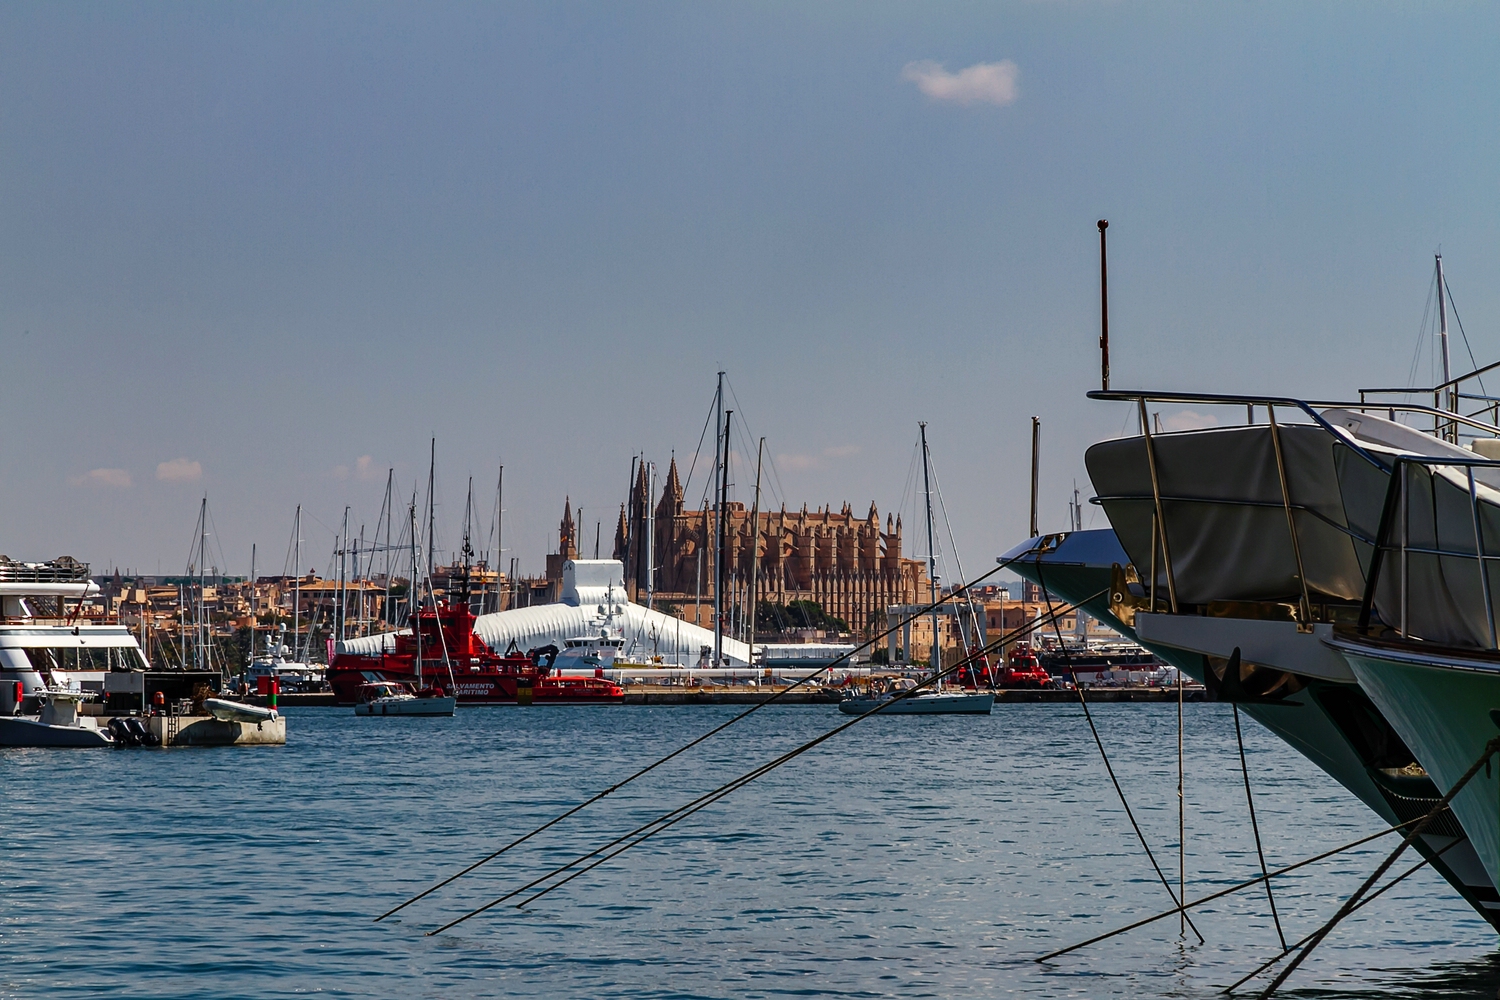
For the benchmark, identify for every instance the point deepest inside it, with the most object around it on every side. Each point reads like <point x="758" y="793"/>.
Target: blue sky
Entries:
<point x="274" y="240"/>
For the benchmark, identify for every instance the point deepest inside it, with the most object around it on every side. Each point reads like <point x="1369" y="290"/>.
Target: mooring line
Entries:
<point x="711" y="797"/>
<point x="689" y="745"/>
<point x="1287" y="949"/>
<point x="1254" y="826"/>
<point x="662" y="822"/>
<point x="1257" y="880"/>
<point x="1490" y="749"/>
<point x="1140" y="834"/>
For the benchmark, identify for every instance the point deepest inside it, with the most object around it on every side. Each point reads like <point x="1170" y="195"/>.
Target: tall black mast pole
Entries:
<point x="1103" y="305"/>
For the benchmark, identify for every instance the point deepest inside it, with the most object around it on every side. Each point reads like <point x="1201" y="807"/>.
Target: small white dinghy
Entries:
<point x="927" y="703"/>
<point x="234" y="711"/>
<point x="57" y="725"/>
<point x="390" y="698"/>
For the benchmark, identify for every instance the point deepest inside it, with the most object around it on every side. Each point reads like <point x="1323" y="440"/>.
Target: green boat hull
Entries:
<point x="1443" y="712"/>
<point x="1313" y="721"/>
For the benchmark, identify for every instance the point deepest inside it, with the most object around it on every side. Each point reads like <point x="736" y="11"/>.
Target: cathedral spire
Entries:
<point x="567" y="540"/>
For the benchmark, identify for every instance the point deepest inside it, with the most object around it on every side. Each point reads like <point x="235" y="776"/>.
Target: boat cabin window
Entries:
<point x="76" y="658"/>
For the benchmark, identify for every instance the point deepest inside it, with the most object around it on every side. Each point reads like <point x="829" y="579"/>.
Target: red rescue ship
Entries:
<point x="443" y="640"/>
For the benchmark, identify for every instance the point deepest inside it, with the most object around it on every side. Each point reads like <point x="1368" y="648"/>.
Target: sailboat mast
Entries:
<point x="650" y="536"/>
<point x="718" y="516"/>
<point x="719" y="574"/>
<point x="202" y="623"/>
<point x="297" y="586"/>
<point x="1450" y="393"/>
<point x="253" y="604"/>
<point x="412" y="606"/>
<point x="760" y="453"/>
<point x="390" y="513"/>
<point x="499" y="531"/>
<point x="932" y="580"/>
<point x="431" y="507"/>
<point x="342" y="613"/>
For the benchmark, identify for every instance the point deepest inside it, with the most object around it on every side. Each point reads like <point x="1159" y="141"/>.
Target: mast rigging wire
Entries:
<point x="1287" y="950"/>
<point x="668" y="819"/>
<point x="1490" y="749"/>
<point x="687" y="746"/>
<point x="1129" y="814"/>
<point x="1254" y="826"/>
<point x="1257" y="880"/>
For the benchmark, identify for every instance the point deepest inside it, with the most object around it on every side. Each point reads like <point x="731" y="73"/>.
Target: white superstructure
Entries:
<point x="41" y="647"/>
<point x="595" y="611"/>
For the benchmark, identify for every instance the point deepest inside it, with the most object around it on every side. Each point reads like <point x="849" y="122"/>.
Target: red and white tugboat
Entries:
<point x="443" y="641"/>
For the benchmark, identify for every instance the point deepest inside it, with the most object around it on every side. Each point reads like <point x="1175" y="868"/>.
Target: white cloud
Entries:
<point x="801" y="463"/>
<point x="364" y="470"/>
<point x="1187" y="420"/>
<point x="117" y="479"/>
<point x="987" y="83"/>
<point x="797" y="463"/>
<point x="179" y="470"/>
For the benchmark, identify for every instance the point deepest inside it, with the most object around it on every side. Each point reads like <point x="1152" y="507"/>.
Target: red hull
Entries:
<point x="445" y="641"/>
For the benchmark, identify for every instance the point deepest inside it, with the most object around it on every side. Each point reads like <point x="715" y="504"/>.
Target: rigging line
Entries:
<point x="1181" y="817"/>
<point x="1362" y="903"/>
<point x="1490" y="750"/>
<point x="683" y="812"/>
<point x="1140" y="834"/>
<point x="687" y="746"/>
<point x="702" y="435"/>
<point x="1257" y="880"/>
<point x="1460" y="323"/>
<point x="1416" y="356"/>
<point x="953" y="544"/>
<point x="1254" y="826"/>
<point x="708" y="798"/>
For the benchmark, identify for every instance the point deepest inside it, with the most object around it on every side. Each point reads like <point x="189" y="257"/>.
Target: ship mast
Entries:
<point x="297" y="586"/>
<point x="755" y="543"/>
<point x="1450" y="393"/>
<point x="718" y="518"/>
<point x="412" y="605"/>
<point x="932" y="580"/>
<point x="719" y="574"/>
<point x="431" y="512"/>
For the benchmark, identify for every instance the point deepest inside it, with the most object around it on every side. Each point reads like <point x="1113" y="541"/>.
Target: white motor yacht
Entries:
<point x="57" y="724"/>
<point x="46" y="645"/>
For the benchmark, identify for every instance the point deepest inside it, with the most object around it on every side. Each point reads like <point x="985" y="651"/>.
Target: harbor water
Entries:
<point x="911" y="856"/>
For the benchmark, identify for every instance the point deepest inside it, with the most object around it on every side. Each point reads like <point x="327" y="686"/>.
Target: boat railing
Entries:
<point x="47" y="572"/>
<point x="1308" y="408"/>
<point x="1397" y="508"/>
<point x="1447" y="397"/>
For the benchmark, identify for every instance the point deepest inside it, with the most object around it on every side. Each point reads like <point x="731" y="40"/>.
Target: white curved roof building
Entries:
<point x="593" y="601"/>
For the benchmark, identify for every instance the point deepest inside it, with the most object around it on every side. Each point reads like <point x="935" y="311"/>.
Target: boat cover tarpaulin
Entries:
<point x="1226" y="523"/>
<point x="1444" y="595"/>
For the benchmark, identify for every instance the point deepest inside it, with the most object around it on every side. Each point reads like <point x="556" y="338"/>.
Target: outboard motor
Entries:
<point x="120" y="729"/>
<point x="143" y="735"/>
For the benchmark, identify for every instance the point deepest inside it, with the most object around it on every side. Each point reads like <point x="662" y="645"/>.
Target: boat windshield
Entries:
<point x="74" y="658"/>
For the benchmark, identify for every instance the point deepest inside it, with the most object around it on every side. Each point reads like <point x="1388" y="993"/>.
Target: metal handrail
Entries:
<point x="1235" y="399"/>
<point x="1396" y="498"/>
<point x="1441" y="385"/>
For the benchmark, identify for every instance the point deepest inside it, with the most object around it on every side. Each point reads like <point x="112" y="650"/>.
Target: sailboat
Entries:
<point x="936" y="699"/>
